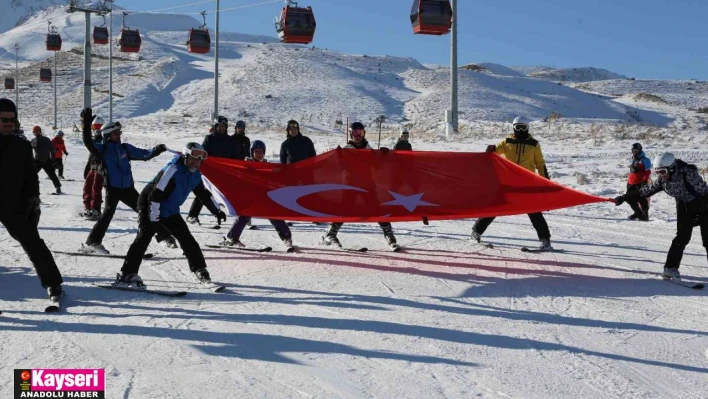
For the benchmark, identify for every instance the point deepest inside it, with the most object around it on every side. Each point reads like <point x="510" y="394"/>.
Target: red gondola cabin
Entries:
<point x="296" y="25"/>
<point x="9" y="84"/>
<point x="45" y="75"/>
<point x="199" y="41"/>
<point x="129" y="41"/>
<point x="100" y="35"/>
<point x="53" y="42"/>
<point x="431" y="17"/>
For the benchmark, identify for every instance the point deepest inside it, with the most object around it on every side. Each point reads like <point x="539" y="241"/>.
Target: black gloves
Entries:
<point x="220" y="216"/>
<point x="32" y="210"/>
<point x="491" y="148"/>
<point x="86" y="118"/>
<point x="619" y="200"/>
<point x="160" y="148"/>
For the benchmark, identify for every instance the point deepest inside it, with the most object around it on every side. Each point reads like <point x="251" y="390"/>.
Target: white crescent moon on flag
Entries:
<point x="287" y="197"/>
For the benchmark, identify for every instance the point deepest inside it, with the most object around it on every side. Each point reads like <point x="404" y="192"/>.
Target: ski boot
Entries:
<point x="58" y="192"/>
<point x="545" y="245"/>
<point x="55" y="293"/>
<point x="193" y="220"/>
<point x="331" y="240"/>
<point x="169" y="242"/>
<point x="671" y="274"/>
<point x="232" y="242"/>
<point x="95" y="248"/>
<point x="644" y="217"/>
<point x="131" y="280"/>
<point x="476" y="237"/>
<point x="203" y="276"/>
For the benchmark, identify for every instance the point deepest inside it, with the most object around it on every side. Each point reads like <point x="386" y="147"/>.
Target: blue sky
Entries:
<point x="662" y="39"/>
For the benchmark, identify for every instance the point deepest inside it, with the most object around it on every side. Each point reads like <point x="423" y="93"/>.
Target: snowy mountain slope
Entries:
<point x="687" y="94"/>
<point x="491" y="68"/>
<point x="576" y="74"/>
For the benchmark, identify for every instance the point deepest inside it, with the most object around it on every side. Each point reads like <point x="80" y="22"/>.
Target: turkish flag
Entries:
<point x="346" y="185"/>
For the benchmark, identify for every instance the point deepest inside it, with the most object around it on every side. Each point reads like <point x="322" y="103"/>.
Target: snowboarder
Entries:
<point x="232" y="238"/>
<point x="218" y="144"/>
<point x="116" y="157"/>
<point x="158" y="207"/>
<point x="402" y="144"/>
<point x="59" y="152"/>
<point x="681" y="181"/>
<point x="296" y="147"/>
<point x="19" y="203"/>
<point x="639" y="173"/>
<point x="523" y="150"/>
<point x="43" y="156"/>
<point x="242" y="144"/>
<point x="357" y="142"/>
<point x="94" y="177"/>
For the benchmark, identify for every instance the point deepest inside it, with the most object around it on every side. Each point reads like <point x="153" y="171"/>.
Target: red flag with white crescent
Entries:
<point x="346" y="185"/>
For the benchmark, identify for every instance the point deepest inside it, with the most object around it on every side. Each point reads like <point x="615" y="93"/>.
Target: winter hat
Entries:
<point x="60" y="134"/>
<point x="6" y="105"/>
<point x="241" y="124"/>
<point x="357" y="125"/>
<point x="258" y="144"/>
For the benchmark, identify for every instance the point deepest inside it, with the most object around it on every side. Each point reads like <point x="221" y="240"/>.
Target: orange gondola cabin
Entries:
<point x="296" y="24"/>
<point x="45" y="75"/>
<point x="431" y="17"/>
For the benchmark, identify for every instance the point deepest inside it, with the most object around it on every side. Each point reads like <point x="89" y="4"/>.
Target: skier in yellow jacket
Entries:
<point x="523" y="150"/>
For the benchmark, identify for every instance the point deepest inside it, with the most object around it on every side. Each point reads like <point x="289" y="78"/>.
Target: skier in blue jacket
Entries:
<point x="159" y="205"/>
<point x="116" y="157"/>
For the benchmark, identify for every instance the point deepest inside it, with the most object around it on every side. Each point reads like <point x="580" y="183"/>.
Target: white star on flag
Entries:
<point x="410" y="202"/>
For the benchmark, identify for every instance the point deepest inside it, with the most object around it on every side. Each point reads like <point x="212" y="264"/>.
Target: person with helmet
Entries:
<point x="232" y="239"/>
<point x="522" y="149"/>
<point x="241" y="142"/>
<point x="44" y="155"/>
<point x="120" y="187"/>
<point x="19" y="202"/>
<point x="639" y="173"/>
<point x="358" y="142"/>
<point x="402" y="144"/>
<point x="94" y="177"/>
<point x="158" y="208"/>
<point x="217" y="144"/>
<point x="59" y="152"/>
<point x="296" y="147"/>
<point x="681" y="181"/>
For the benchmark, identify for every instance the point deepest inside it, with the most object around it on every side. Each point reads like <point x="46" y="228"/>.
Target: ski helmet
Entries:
<point x="520" y="122"/>
<point x="258" y="144"/>
<point x="357" y="125"/>
<point x="97" y="123"/>
<point x="7" y="105"/>
<point x="240" y="124"/>
<point x="292" y="123"/>
<point x="36" y="129"/>
<point x="195" y="150"/>
<point x="637" y="146"/>
<point x="221" y="120"/>
<point x="665" y="160"/>
<point x="60" y="134"/>
<point x="110" y="128"/>
<point x="405" y="132"/>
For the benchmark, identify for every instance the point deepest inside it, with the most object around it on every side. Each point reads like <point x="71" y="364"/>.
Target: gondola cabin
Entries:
<point x="129" y="40"/>
<point x="9" y="84"/>
<point x="199" y="41"/>
<point x="431" y="17"/>
<point x="53" y="42"/>
<point x="100" y="35"/>
<point x="296" y="25"/>
<point x="45" y="75"/>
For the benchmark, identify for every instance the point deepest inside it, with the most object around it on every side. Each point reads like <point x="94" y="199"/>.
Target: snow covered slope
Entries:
<point x="576" y="74"/>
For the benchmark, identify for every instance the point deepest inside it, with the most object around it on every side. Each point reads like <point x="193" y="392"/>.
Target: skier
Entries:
<point x="94" y="177"/>
<point x="681" y="181"/>
<point x="232" y="238"/>
<point x="296" y="147"/>
<point x="523" y="150"/>
<point x="59" y="152"/>
<point x="19" y="202"/>
<point x="358" y="142"/>
<point x="218" y="144"/>
<point x="116" y="157"/>
<point x="402" y="144"/>
<point x="43" y="155"/>
<point x="242" y="144"/>
<point x="639" y="173"/>
<point x="158" y="207"/>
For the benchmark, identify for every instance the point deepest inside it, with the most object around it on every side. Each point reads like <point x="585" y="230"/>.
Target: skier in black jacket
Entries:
<point x="43" y="156"/>
<point x="402" y="144"/>
<point x="19" y="202"/>
<point x="296" y="147"/>
<point x="217" y="144"/>
<point x="242" y="144"/>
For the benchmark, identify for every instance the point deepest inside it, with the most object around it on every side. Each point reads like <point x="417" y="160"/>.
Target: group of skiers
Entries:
<point x="158" y="204"/>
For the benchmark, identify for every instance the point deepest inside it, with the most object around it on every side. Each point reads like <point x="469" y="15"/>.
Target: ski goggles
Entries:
<point x="8" y="120"/>
<point x="521" y="128"/>
<point x="661" y="171"/>
<point x="197" y="153"/>
<point x="291" y="125"/>
<point x="113" y="127"/>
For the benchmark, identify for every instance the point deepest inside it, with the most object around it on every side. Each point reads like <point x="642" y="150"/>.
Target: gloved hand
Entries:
<point x="619" y="200"/>
<point x="32" y="210"/>
<point x="220" y="216"/>
<point x="160" y="148"/>
<point x="86" y="118"/>
<point x="384" y="150"/>
<point x="491" y="148"/>
<point x="632" y="169"/>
